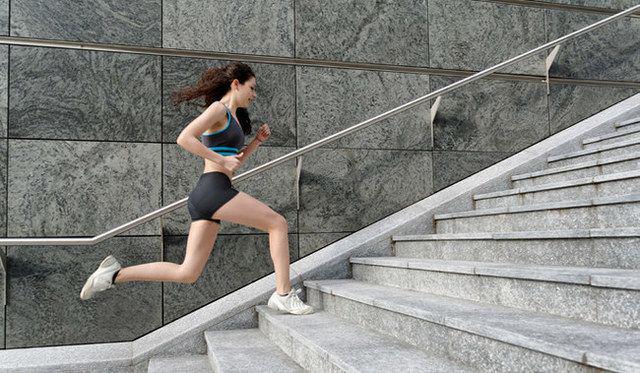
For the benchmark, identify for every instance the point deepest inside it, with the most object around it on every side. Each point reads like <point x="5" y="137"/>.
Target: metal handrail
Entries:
<point x="310" y="147"/>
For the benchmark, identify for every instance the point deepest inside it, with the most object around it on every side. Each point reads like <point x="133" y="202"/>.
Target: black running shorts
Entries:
<point x="211" y="192"/>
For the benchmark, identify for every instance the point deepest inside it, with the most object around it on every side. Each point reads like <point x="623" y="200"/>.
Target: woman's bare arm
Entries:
<point x="188" y="138"/>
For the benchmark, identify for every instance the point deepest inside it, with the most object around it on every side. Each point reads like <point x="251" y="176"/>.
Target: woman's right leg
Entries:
<point x="202" y="236"/>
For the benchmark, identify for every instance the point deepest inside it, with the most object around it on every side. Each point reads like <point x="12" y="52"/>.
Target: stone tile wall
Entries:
<point x="87" y="139"/>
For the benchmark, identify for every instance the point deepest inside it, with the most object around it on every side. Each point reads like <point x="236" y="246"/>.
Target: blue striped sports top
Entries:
<point x="227" y="141"/>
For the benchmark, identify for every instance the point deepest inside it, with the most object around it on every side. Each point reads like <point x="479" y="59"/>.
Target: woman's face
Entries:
<point x="246" y="92"/>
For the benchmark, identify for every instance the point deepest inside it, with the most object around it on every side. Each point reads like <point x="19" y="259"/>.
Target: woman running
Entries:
<point x="227" y="92"/>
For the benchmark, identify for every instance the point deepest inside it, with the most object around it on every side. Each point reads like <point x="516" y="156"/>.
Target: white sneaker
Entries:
<point x="289" y="303"/>
<point x="100" y="279"/>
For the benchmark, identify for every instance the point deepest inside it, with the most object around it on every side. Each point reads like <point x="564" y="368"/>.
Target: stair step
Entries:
<point x="246" y="350"/>
<point x="180" y="364"/>
<point x="624" y="133"/>
<point x="580" y="293"/>
<point x="626" y="123"/>
<point x="325" y="343"/>
<point x="600" y="152"/>
<point x="619" y="163"/>
<point x="607" y="248"/>
<point x="600" y="212"/>
<point x="488" y="337"/>
<point x="596" y="186"/>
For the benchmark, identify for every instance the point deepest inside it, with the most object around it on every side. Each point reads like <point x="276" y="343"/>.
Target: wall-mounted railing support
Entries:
<point x="3" y="261"/>
<point x="434" y="110"/>
<point x="548" y="62"/>
<point x="297" y="186"/>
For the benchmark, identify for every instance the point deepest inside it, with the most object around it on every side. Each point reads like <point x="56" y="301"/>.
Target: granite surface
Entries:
<point x="61" y="188"/>
<point x="395" y="33"/>
<point x="348" y="189"/>
<point x="84" y="95"/>
<point x="275" y="102"/>
<point x="4" y="95"/>
<point x="4" y="17"/>
<point x="3" y="284"/>
<point x="452" y="166"/>
<point x="501" y="31"/>
<point x="274" y="187"/>
<point x="607" y="53"/>
<point x="490" y="116"/>
<point x="3" y="187"/>
<point x="99" y="21"/>
<point x="44" y="297"/>
<point x="312" y="242"/>
<point x="569" y="104"/>
<point x="263" y="27"/>
<point x="236" y="261"/>
<point x="433" y="324"/>
<point x="330" y="100"/>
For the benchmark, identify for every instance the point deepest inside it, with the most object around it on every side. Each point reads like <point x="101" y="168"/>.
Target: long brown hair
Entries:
<point x="214" y="83"/>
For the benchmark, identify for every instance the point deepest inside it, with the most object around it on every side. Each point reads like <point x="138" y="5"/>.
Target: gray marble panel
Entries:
<point x="70" y="94"/>
<point x="236" y="261"/>
<point x="610" y="52"/>
<point x="395" y="33"/>
<point x="61" y="188"/>
<point x="330" y="100"/>
<point x="102" y="21"/>
<point x="490" y="115"/>
<point x="347" y="189"/>
<point x="606" y="4"/>
<point x="258" y="27"/>
<point x="45" y="308"/>
<point x="569" y="104"/>
<point x="450" y="167"/>
<point x="274" y="187"/>
<point x="475" y="35"/>
<point x="4" y="96"/>
<point x="4" y="17"/>
<point x="275" y="102"/>
<point x="312" y="242"/>
<point x="3" y="187"/>
<point x="3" y="284"/>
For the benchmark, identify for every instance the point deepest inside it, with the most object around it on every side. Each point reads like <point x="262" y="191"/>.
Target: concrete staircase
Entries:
<point x="541" y="277"/>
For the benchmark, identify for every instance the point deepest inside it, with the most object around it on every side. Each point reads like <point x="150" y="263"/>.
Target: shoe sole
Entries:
<point x="108" y="261"/>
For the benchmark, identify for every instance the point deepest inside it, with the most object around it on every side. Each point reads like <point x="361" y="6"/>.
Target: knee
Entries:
<point x="277" y="222"/>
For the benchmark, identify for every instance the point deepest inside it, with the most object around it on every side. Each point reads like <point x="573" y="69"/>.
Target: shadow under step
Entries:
<point x="483" y="336"/>
<point x="627" y="123"/>
<point x="324" y="343"/>
<point x="601" y="212"/>
<point x="246" y="350"/>
<point x="600" y="152"/>
<point x="609" y="138"/>
<point x="619" y="163"/>
<point x="598" y="186"/>
<point x="180" y="364"/>
<point x="599" y="295"/>
<point x="608" y="247"/>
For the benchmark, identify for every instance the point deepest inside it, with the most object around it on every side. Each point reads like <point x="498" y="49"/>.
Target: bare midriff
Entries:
<point x="211" y="166"/>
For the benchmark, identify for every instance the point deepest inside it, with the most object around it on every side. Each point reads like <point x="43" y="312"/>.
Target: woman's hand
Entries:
<point x="232" y="162"/>
<point x="263" y="133"/>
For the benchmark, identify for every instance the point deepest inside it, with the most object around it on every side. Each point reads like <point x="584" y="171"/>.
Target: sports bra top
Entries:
<point x="227" y="141"/>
